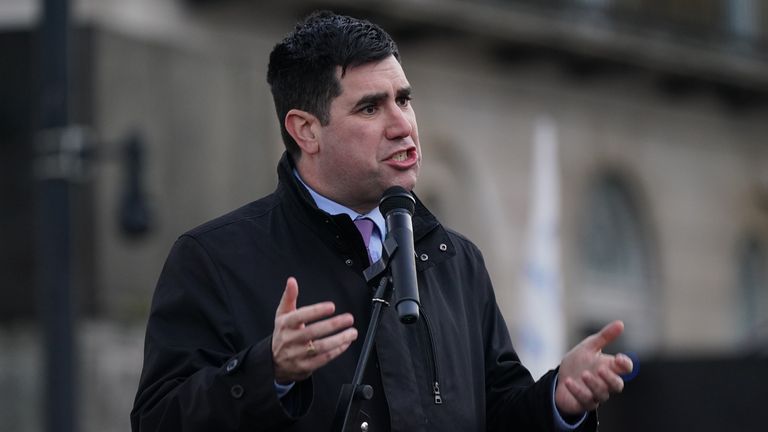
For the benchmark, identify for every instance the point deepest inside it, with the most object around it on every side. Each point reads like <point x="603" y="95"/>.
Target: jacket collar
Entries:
<point x="432" y="243"/>
<point x="289" y="187"/>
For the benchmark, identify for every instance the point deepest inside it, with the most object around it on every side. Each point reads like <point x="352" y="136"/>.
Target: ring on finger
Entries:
<point x="311" y="350"/>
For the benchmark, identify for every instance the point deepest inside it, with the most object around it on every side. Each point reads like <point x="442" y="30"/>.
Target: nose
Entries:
<point x="399" y="123"/>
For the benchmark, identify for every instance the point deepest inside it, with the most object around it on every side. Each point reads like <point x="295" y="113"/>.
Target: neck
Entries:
<point x="318" y="188"/>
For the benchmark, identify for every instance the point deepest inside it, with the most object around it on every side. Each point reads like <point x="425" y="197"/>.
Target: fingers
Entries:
<point x="299" y="362"/>
<point x="593" y="385"/>
<point x="305" y="314"/>
<point x="309" y="364"/>
<point x="605" y="336"/>
<point x="325" y="327"/>
<point x="297" y="340"/>
<point x="613" y="382"/>
<point x="608" y="371"/>
<point x="597" y="387"/>
<point x="593" y="389"/>
<point x="290" y="295"/>
<point x="331" y="347"/>
<point x="622" y="364"/>
<point x="582" y="394"/>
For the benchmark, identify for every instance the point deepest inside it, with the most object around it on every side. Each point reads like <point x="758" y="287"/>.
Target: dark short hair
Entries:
<point x="302" y="67"/>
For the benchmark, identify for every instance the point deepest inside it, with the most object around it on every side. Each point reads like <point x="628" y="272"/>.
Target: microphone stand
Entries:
<point x="352" y="394"/>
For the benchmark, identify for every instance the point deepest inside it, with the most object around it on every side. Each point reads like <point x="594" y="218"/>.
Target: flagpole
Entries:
<point x="541" y="339"/>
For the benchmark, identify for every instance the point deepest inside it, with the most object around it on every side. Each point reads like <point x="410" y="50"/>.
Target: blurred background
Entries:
<point x="611" y="153"/>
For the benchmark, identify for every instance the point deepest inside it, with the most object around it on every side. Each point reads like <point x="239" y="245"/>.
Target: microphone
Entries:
<point x="397" y="206"/>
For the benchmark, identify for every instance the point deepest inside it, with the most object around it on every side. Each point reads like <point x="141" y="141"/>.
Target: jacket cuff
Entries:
<point x="562" y="424"/>
<point x="250" y="379"/>
<point x="588" y="423"/>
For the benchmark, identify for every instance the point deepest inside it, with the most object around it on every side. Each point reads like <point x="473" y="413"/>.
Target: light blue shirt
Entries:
<point x="334" y="208"/>
<point x="374" y="248"/>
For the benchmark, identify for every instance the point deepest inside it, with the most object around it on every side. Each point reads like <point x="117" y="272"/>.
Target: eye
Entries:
<point x="403" y="101"/>
<point x="368" y="109"/>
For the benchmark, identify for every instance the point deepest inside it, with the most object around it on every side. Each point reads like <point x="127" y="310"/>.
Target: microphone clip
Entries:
<point x="389" y="247"/>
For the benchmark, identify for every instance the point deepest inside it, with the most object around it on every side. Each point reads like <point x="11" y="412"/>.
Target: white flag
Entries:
<point x="541" y="342"/>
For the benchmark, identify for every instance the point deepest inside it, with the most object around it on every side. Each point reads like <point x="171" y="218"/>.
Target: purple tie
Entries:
<point x="365" y="226"/>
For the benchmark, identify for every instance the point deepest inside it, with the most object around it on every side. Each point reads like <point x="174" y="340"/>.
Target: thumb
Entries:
<point x="605" y="336"/>
<point x="290" y="295"/>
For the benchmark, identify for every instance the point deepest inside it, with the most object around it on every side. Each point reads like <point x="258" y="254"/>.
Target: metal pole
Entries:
<point x="56" y="163"/>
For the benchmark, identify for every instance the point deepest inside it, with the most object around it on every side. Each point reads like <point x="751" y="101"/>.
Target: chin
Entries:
<point x="405" y="184"/>
<point x="411" y="182"/>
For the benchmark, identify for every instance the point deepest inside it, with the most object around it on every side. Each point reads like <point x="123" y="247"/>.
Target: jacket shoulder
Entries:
<point x="463" y="243"/>
<point x="248" y="212"/>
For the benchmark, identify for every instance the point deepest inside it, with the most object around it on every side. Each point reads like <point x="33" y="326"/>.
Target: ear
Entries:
<point x="302" y="125"/>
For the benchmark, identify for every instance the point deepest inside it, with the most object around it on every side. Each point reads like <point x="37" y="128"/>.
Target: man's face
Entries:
<point x="371" y="141"/>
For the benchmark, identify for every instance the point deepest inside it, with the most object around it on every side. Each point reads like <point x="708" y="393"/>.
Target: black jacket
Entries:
<point x="208" y="359"/>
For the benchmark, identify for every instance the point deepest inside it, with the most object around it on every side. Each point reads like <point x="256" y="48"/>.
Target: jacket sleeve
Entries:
<point x="513" y="400"/>
<point x="199" y="375"/>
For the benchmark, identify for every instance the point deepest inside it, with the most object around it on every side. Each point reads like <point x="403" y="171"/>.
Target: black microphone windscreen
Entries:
<point x="397" y="197"/>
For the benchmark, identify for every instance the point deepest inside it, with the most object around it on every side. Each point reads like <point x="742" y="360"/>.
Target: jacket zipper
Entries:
<point x="437" y="396"/>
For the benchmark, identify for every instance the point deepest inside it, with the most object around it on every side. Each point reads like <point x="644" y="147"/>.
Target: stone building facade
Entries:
<point x="663" y="167"/>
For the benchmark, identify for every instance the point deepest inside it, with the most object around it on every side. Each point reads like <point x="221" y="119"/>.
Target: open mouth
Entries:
<point x="400" y="156"/>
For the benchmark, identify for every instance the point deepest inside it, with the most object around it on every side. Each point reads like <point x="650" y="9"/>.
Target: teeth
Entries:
<point x="399" y="157"/>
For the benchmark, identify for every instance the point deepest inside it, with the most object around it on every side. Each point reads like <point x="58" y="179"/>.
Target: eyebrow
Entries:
<point x="405" y="92"/>
<point x="376" y="98"/>
<point x="370" y="99"/>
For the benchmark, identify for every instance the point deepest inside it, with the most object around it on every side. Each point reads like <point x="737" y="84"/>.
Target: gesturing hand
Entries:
<point x="587" y="376"/>
<point x="305" y="339"/>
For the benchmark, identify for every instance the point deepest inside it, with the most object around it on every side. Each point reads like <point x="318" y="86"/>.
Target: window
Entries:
<point x="615" y="278"/>
<point x="613" y="239"/>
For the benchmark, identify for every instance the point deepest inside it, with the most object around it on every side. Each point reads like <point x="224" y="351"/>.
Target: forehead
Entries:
<point x="375" y="77"/>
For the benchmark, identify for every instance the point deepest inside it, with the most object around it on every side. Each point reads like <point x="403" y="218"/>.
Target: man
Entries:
<point x="243" y="332"/>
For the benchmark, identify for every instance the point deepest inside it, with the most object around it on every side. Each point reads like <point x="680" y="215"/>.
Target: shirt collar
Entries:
<point x="333" y="208"/>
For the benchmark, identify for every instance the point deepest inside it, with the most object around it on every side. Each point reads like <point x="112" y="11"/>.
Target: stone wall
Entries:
<point x="194" y="87"/>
